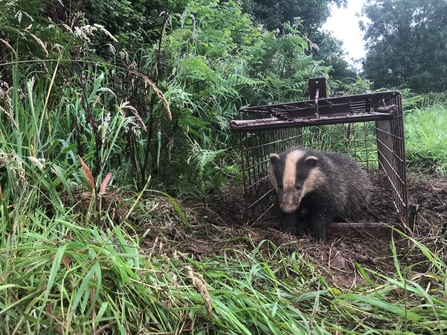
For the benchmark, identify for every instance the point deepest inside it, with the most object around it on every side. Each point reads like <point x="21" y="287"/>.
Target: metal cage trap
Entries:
<point x="367" y="127"/>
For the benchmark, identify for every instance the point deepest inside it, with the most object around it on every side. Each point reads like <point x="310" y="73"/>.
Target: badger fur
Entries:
<point x="325" y="185"/>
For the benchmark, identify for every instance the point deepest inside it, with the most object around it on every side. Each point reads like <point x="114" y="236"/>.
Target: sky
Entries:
<point x="344" y="25"/>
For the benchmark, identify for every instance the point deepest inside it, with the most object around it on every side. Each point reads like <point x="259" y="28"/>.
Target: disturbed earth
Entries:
<point x="219" y="223"/>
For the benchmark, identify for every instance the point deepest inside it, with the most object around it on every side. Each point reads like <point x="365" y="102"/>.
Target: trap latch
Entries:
<point x="317" y="88"/>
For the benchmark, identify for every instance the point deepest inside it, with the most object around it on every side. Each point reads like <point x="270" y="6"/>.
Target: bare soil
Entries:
<point x="219" y="224"/>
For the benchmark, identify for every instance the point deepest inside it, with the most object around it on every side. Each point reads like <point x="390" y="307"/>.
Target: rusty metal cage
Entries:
<point x="367" y="127"/>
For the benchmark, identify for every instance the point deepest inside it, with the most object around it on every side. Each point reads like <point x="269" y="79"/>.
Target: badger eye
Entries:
<point x="279" y="186"/>
<point x="298" y="187"/>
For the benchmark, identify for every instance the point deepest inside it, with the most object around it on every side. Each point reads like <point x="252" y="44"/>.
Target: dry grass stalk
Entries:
<point x="5" y="96"/>
<point x="9" y="47"/>
<point x="67" y="28"/>
<point x="39" y="41"/>
<point x="157" y="92"/>
<point x="105" y="31"/>
<point x="200" y="285"/>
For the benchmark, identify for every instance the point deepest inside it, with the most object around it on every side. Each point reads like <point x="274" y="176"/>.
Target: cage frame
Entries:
<point x="286" y="121"/>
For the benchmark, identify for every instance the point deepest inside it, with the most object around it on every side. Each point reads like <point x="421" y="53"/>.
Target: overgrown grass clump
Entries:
<point x="61" y="277"/>
<point x="68" y="272"/>
<point x="426" y="136"/>
<point x="58" y="277"/>
<point x="82" y="124"/>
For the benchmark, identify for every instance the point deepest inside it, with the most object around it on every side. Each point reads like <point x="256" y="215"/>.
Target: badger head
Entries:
<point x="293" y="174"/>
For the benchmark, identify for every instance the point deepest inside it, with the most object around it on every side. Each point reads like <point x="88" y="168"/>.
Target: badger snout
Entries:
<point x="289" y="200"/>
<point x="287" y="209"/>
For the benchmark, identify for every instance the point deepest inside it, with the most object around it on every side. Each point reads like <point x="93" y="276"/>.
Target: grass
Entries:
<point x="426" y="138"/>
<point x="410" y="302"/>
<point x="66" y="271"/>
<point x="60" y="276"/>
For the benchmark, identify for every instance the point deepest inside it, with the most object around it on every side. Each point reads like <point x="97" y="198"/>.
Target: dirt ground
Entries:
<point x="219" y="223"/>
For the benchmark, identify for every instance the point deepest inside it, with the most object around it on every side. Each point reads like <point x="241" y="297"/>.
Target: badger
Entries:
<point x="322" y="185"/>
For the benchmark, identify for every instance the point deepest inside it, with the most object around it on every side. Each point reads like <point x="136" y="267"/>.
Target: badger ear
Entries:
<point x="311" y="161"/>
<point x="274" y="158"/>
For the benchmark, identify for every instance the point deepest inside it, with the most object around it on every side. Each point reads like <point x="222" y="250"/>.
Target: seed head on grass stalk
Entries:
<point x="134" y="110"/>
<point x="157" y="91"/>
<point x="200" y="284"/>
<point x="40" y="43"/>
<point x="5" y="95"/>
<point x="9" y="47"/>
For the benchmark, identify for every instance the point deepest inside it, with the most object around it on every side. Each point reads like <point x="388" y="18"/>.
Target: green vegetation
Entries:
<point x="426" y="144"/>
<point x="111" y="113"/>
<point x="59" y="277"/>
<point x="405" y="42"/>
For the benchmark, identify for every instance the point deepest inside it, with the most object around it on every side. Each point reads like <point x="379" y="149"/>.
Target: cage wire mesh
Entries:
<point x="367" y="127"/>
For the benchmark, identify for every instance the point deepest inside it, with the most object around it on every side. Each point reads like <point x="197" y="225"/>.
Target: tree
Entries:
<point x="330" y="50"/>
<point x="274" y="15"/>
<point x="307" y="17"/>
<point x="406" y="42"/>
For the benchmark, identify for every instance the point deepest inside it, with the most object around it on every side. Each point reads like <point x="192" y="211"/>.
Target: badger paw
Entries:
<point x="288" y="230"/>
<point x="289" y="224"/>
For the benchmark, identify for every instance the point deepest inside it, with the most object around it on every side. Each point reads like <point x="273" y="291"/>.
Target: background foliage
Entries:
<point x="203" y="59"/>
<point x="406" y="44"/>
<point x="97" y="96"/>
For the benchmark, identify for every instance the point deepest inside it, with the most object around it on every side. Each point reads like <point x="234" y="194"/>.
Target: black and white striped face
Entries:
<point x="293" y="174"/>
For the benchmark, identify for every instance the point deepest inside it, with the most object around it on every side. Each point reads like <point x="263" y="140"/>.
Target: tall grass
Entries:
<point x="61" y="274"/>
<point x="68" y="272"/>
<point x="58" y="277"/>
<point x="426" y="138"/>
<point x="410" y="302"/>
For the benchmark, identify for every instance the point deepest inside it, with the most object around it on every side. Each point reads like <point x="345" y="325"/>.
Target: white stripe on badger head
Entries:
<point x="289" y="176"/>
<point x="288" y="202"/>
